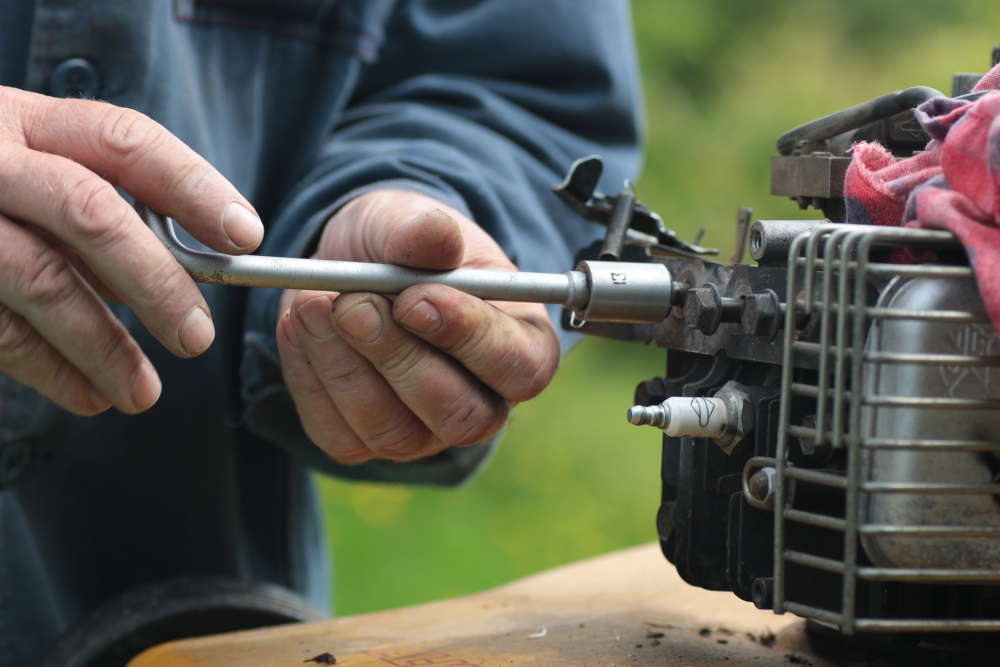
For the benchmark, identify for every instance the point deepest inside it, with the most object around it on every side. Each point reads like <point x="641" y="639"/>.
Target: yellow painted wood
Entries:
<point x="626" y="608"/>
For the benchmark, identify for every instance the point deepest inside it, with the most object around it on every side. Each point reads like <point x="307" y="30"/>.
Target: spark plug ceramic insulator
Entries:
<point x="680" y="416"/>
<point x="727" y="418"/>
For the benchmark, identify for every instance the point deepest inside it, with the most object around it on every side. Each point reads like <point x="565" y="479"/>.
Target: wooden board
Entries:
<point x="626" y="608"/>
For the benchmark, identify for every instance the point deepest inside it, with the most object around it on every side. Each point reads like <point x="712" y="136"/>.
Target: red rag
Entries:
<point x="953" y="185"/>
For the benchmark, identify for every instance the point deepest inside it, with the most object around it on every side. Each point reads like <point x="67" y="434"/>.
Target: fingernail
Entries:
<point x="291" y="334"/>
<point x="197" y="332"/>
<point x="423" y="318"/>
<point x="363" y="322"/>
<point x="315" y="314"/>
<point x="145" y="388"/>
<point x="243" y="227"/>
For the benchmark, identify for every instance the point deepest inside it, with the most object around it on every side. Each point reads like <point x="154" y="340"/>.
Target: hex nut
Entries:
<point x="761" y="315"/>
<point x="703" y="309"/>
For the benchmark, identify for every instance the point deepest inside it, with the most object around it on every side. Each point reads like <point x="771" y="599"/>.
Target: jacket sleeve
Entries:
<point x="484" y="106"/>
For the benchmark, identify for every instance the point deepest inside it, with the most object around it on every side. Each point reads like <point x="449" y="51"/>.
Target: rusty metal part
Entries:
<point x="579" y="193"/>
<point x="618" y="224"/>
<point x="705" y="309"/>
<point x="763" y="315"/>
<point x="744" y="217"/>
<point x="818" y="175"/>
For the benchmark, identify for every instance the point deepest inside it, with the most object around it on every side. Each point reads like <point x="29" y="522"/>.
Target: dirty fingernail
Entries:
<point x="145" y="387"/>
<point x="197" y="332"/>
<point x="423" y="318"/>
<point x="315" y="314"/>
<point x="363" y="322"/>
<point x="243" y="227"/>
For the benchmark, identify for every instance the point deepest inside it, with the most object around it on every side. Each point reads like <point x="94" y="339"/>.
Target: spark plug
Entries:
<point x="727" y="418"/>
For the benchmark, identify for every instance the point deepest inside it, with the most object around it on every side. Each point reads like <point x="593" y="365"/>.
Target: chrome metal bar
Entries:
<point x="816" y="562"/>
<point x="784" y="421"/>
<point x="957" y="316"/>
<point x="804" y="390"/>
<point x="933" y="402"/>
<point x="812" y="349"/>
<point x="932" y="531"/>
<point x="956" y="625"/>
<point x="933" y="445"/>
<point x="812" y="519"/>
<point x="569" y="290"/>
<point x="928" y="575"/>
<point x="816" y="477"/>
<point x="930" y="359"/>
<point x="934" y="488"/>
<point x="919" y="271"/>
<point x="809" y="611"/>
<point x="857" y="245"/>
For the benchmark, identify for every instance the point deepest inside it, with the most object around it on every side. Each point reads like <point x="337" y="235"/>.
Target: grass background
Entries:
<point x="722" y="78"/>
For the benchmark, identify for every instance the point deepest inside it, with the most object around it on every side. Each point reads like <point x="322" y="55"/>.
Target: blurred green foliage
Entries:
<point x="722" y="78"/>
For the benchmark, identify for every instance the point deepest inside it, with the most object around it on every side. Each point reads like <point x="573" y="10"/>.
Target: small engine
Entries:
<point x="831" y="427"/>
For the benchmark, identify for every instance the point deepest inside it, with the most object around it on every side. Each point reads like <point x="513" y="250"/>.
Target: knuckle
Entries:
<point x="343" y="446"/>
<point x="47" y="280"/>
<point x="350" y="457"/>
<point x="123" y="132"/>
<point x="16" y="337"/>
<point x="398" y="440"/>
<point x="190" y="179"/>
<point x="527" y="376"/>
<point x="117" y="352"/>
<point x="94" y="211"/>
<point x="402" y="364"/>
<point x="344" y="369"/>
<point x="165" y="284"/>
<point x="524" y="366"/>
<point x="471" y="422"/>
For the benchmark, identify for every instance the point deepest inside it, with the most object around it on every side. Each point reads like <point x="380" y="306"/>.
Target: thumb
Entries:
<point x="430" y="240"/>
<point x="396" y="227"/>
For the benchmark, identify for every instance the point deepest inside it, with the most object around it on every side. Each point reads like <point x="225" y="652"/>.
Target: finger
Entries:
<point x="86" y="214"/>
<point x="453" y="404"/>
<point x="513" y="350"/>
<point x="322" y="421"/>
<point x="102" y="290"/>
<point x="369" y="405"/>
<point x="28" y="359"/>
<point x="41" y="286"/>
<point x="132" y="151"/>
<point x="398" y="228"/>
<point x="81" y="267"/>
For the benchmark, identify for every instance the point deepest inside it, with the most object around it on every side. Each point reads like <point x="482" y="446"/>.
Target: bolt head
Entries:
<point x="761" y="315"/>
<point x="761" y="485"/>
<point x="702" y="310"/>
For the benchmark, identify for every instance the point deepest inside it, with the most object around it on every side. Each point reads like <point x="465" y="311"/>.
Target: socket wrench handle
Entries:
<point x="619" y="300"/>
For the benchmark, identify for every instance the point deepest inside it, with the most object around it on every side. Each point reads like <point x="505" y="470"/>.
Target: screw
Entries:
<point x="703" y="309"/>
<point x="762" y="315"/>
<point x="761" y="485"/>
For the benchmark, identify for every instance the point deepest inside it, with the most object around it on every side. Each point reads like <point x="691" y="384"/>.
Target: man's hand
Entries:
<point x="405" y="378"/>
<point x="67" y="239"/>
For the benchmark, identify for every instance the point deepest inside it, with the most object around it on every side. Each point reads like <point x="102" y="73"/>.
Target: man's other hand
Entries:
<point x="69" y="240"/>
<point x="406" y="377"/>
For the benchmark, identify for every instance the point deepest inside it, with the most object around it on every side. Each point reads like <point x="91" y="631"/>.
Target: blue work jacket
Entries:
<point x="302" y="104"/>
